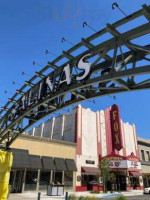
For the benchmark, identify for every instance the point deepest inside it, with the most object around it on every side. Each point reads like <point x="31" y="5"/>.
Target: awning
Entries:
<point x="90" y="170"/>
<point x="20" y="158"/>
<point x="60" y="164"/>
<point x="35" y="162"/>
<point x="71" y="165"/>
<point x="48" y="163"/>
<point x="135" y="174"/>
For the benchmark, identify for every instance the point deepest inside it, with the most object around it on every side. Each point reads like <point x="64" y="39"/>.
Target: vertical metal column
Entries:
<point x="51" y="176"/>
<point x="63" y="177"/>
<point x="24" y="180"/>
<point x="38" y="180"/>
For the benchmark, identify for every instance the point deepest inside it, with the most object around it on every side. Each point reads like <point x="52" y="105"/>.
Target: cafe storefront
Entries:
<point x="35" y="172"/>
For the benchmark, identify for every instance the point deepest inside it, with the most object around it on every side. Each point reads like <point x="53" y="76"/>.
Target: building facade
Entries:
<point x="78" y="142"/>
<point x="144" y="149"/>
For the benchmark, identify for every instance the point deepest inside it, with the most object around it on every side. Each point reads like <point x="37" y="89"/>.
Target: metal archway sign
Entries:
<point x="105" y="68"/>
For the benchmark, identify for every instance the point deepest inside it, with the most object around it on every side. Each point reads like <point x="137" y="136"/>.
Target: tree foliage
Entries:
<point x="105" y="173"/>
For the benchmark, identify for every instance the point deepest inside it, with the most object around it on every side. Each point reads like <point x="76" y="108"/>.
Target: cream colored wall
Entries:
<point x="87" y="129"/>
<point x="145" y="169"/>
<point x="103" y="133"/>
<point x="129" y="137"/>
<point x="89" y="134"/>
<point x="43" y="147"/>
<point x="57" y="128"/>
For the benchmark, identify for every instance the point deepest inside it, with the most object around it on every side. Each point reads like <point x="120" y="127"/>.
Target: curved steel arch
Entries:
<point x="111" y="71"/>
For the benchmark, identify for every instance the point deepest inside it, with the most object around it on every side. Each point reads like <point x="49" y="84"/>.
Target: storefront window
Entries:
<point x="143" y="155"/>
<point x="44" y="180"/>
<point x="89" y="179"/>
<point x="68" y="180"/>
<point x="31" y="180"/>
<point x="58" y="178"/>
<point x="93" y="179"/>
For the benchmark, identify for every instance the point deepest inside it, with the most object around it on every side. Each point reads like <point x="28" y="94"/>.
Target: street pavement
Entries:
<point x="134" y="195"/>
<point x="17" y="197"/>
<point x="143" y="197"/>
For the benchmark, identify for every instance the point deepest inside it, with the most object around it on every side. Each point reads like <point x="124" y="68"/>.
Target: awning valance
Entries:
<point x="90" y="170"/>
<point x="20" y="158"/>
<point x="35" y="162"/>
<point x="71" y="165"/>
<point x="48" y="163"/>
<point x="60" y="164"/>
<point x="134" y="173"/>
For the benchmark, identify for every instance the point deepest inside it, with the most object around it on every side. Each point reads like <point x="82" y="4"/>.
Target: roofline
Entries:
<point x="47" y="140"/>
<point x="143" y="141"/>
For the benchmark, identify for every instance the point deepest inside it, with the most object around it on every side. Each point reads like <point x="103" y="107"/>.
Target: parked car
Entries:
<point x="147" y="190"/>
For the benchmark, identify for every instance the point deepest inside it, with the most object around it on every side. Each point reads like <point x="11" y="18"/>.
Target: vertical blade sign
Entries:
<point x="116" y="128"/>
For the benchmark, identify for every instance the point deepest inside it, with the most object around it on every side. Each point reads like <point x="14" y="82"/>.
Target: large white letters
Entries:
<point x="67" y="79"/>
<point x="49" y="83"/>
<point x="83" y="66"/>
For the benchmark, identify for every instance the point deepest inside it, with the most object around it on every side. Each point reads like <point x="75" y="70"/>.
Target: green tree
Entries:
<point x="105" y="173"/>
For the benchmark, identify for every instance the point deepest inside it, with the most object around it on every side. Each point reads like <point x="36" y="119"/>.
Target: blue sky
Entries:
<point x="30" y="27"/>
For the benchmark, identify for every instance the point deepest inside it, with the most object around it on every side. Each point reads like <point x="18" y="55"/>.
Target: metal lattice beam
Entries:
<point x="111" y="71"/>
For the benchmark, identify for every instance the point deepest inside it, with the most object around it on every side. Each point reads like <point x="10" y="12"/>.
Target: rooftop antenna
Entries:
<point x="116" y="5"/>
<point x="24" y="73"/>
<point x="63" y="39"/>
<point x="49" y="52"/>
<point x="84" y="24"/>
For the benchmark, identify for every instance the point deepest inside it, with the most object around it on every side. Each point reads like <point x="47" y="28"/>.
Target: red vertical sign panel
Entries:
<point x="116" y="128"/>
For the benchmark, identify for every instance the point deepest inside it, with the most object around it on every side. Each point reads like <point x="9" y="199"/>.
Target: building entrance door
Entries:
<point x="122" y="180"/>
<point x="117" y="184"/>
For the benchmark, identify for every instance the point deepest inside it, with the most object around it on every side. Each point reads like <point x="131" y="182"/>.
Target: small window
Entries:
<point x="148" y="155"/>
<point x="143" y="155"/>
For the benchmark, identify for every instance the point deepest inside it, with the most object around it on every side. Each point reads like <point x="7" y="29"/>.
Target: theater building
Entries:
<point x="67" y="150"/>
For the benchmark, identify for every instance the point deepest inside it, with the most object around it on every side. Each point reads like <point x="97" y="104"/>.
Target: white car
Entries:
<point x="147" y="190"/>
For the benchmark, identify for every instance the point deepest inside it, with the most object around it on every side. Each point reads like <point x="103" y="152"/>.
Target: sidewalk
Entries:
<point x="34" y="196"/>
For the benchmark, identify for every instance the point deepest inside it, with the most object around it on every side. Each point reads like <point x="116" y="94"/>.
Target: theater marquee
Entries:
<point x="124" y="164"/>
